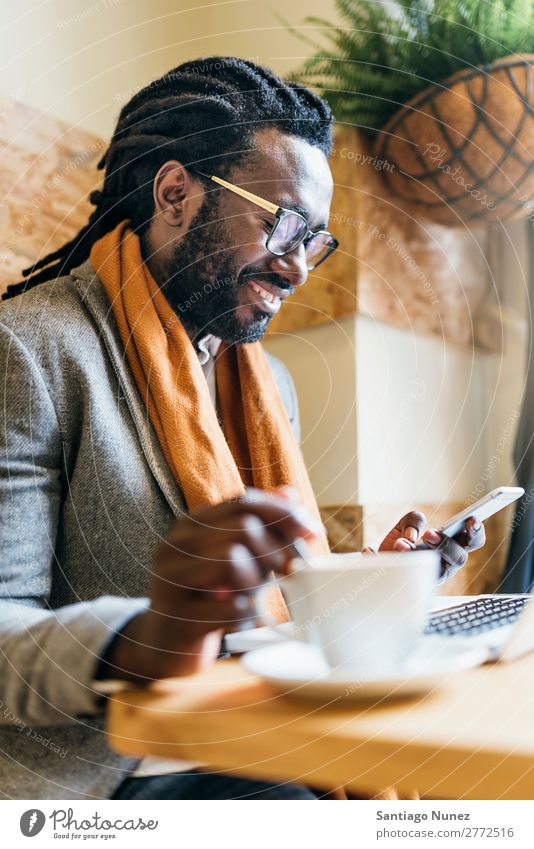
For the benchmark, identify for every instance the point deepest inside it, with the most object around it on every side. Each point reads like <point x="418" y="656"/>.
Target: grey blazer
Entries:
<point x="85" y="495"/>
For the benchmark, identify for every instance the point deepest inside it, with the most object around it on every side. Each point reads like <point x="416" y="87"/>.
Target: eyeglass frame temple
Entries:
<point x="244" y="193"/>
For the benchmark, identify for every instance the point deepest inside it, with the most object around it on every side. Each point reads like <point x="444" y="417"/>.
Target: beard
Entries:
<point x="203" y="286"/>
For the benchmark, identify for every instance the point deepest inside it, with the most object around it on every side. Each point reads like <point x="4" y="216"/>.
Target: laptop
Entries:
<point x="502" y="624"/>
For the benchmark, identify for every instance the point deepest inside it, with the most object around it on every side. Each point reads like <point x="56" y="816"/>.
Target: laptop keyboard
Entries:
<point x="474" y="617"/>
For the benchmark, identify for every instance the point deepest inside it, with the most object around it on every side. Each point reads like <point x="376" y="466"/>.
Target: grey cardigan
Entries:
<point x="85" y="495"/>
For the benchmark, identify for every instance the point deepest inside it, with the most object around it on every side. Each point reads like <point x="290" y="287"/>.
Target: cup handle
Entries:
<point x="266" y="617"/>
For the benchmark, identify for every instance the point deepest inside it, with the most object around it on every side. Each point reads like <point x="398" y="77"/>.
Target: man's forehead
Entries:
<point x="289" y="157"/>
<point x="291" y="172"/>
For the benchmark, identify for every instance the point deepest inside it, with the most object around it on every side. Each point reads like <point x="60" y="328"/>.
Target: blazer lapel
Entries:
<point x="94" y="296"/>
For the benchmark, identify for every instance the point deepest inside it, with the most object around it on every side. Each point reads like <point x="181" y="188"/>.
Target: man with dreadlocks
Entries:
<point x="152" y="476"/>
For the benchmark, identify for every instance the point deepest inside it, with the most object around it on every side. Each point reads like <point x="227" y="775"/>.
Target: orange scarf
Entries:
<point x="257" y="447"/>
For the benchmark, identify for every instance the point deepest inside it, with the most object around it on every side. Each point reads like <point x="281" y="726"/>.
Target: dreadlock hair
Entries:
<point x="205" y="111"/>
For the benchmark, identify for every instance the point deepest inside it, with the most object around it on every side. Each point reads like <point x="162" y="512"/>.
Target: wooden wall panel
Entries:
<point x="47" y="170"/>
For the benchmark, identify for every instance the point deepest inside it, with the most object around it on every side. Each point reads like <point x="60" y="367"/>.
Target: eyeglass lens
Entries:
<point x="318" y="248"/>
<point x="290" y="231"/>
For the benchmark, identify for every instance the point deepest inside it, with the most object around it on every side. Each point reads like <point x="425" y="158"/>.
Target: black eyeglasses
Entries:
<point x="290" y="228"/>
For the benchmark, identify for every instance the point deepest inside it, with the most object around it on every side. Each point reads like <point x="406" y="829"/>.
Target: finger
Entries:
<point x="239" y="568"/>
<point x="368" y="550"/>
<point x="472" y="536"/>
<point x="223" y="565"/>
<point x="411" y="533"/>
<point x="412" y="525"/>
<point x="453" y="555"/>
<point x="404" y="545"/>
<point x="409" y="527"/>
<point x="248" y="530"/>
<point x="287" y="517"/>
<point x="432" y="537"/>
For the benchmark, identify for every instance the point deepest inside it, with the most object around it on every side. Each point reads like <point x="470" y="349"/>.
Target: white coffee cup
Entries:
<point x="366" y="612"/>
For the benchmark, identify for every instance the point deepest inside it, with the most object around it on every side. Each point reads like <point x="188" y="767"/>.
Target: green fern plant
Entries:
<point x="384" y="52"/>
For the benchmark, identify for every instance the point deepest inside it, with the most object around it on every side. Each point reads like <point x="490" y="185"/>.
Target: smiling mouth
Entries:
<point x="263" y="293"/>
<point x="270" y="301"/>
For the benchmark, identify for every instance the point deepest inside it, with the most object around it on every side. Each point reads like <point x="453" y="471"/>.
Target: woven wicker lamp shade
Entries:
<point x="464" y="150"/>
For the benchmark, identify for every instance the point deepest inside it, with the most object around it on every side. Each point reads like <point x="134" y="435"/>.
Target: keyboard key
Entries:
<point x="476" y="616"/>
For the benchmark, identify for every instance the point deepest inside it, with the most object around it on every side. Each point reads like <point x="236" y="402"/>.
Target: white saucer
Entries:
<point x="242" y="641"/>
<point x="299" y="669"/>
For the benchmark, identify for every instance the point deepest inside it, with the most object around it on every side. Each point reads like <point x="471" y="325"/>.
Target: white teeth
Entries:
<point x="268" y="296"/>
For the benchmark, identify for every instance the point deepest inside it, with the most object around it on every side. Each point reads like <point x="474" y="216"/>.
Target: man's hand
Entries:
<point x="407" y="530"/>
<point x="408" y="534"/>
<point x="203" y="582"/>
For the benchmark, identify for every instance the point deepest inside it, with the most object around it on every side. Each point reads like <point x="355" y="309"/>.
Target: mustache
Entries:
<point x="267" y="277"/>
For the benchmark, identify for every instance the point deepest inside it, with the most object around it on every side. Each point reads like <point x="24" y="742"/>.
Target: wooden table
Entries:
<point x="472" y="738"/>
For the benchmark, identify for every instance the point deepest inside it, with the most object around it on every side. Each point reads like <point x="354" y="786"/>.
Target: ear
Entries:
<point x="175" y="194"/>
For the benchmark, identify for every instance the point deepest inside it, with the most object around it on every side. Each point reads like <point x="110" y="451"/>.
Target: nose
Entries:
<point x="293" y="266"/>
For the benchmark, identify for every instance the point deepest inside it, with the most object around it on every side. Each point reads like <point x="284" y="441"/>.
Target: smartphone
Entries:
<point x="484" y="508"/>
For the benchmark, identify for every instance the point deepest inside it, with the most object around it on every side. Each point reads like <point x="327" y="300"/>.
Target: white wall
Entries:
<point x="322" y="362"/>
<point x="508" y="259"/>
<point x="82" y="59"/>
<point x="421" y="403"/>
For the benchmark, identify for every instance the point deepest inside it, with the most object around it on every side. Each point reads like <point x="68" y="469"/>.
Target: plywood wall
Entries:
<point x="47" y="171"/>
